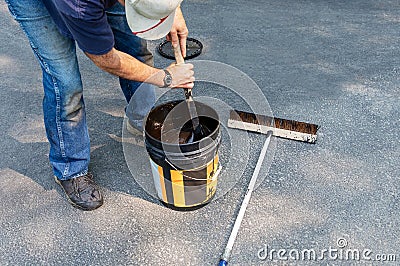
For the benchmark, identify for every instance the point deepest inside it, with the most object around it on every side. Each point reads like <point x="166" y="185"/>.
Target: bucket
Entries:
<point x="184" y="174"/>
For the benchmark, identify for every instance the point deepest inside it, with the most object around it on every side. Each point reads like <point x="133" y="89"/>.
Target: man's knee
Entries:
<point x="73" y="107"/>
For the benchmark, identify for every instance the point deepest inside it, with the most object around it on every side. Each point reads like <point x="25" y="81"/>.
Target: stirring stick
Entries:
<point x="189" y="99"/>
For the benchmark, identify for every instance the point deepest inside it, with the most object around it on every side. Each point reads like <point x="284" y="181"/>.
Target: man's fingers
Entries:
<point x="183" y="45"/>
<point x="174" y="38"/>
<point x="188" y="85"/>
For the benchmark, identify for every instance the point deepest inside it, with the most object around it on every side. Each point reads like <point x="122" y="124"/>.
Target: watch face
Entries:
<point x="168" y="80"/>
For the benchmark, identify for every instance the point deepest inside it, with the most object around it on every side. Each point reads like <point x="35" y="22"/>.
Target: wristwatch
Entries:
<point x="167" y="79"/>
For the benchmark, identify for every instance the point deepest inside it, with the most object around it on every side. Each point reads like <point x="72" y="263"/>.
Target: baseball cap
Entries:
<point x="151" y="19"/>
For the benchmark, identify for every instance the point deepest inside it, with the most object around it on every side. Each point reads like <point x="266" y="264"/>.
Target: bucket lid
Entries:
<point x="193" y="49"/>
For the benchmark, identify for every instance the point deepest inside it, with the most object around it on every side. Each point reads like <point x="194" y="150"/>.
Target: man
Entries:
<point x="100" y="29"/>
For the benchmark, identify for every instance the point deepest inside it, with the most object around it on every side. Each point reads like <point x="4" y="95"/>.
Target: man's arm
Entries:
<point x="128" y="67"/>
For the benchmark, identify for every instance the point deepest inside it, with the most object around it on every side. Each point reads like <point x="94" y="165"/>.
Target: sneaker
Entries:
<point x="82" y="192"/>
<point x="136" y="137"/>
<point x="133" y="130"/>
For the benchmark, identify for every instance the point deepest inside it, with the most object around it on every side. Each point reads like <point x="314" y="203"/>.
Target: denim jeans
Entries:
<point x="63" y="103"/>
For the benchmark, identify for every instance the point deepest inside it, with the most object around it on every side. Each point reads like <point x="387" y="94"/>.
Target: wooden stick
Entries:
<point x="188" y="93"/>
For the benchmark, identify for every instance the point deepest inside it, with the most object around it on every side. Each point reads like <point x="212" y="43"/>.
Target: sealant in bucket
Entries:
<point x="184" y="174"/>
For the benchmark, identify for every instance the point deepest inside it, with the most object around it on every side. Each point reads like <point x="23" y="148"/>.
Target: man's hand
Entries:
<point x="179" y="31"/>
<point x="182" y="75"/>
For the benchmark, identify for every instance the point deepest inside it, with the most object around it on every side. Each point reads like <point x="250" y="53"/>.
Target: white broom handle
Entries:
<point x="250" y="188"/>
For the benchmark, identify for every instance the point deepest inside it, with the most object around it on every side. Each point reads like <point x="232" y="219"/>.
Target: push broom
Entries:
<point x="270" y="126"/>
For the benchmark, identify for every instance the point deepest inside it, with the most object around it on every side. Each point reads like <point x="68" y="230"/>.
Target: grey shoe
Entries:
<point x="137" y="137"/>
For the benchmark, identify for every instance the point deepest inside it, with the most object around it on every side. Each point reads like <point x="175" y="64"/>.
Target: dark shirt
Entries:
<point x="85" y="21"/>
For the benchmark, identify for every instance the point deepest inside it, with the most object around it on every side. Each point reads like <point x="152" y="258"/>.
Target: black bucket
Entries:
<point x="185" y="174"/>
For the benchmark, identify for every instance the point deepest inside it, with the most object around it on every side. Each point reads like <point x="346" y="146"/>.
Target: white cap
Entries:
<point x="151" y="19"/>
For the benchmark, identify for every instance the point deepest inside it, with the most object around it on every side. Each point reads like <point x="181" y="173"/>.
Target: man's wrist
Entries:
<point x="157" y="78"/>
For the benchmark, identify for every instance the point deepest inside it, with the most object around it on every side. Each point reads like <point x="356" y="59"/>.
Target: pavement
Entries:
<point x="332" y="63"/>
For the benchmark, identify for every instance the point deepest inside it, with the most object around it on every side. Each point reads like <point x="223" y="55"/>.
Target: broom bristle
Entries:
<point x="293" y="125"/>
<point x="277" y="123"/>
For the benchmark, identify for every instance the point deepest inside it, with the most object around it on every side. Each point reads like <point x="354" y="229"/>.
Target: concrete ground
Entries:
<point x="333" y="63"/>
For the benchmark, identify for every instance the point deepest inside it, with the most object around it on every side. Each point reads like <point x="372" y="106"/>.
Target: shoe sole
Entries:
<point x="133" y="131"/>
<point x="137" y="135"/>
<point x="70" y="201"/>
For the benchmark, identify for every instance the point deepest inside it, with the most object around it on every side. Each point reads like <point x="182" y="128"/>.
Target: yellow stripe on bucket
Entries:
<point x="210" y="171"/>
<point x="162" y="184"/>
<point x="211" y="184"/>
<point x="178" y="188"/>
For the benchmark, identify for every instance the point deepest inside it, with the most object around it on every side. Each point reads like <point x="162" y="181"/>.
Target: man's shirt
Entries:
<point x="85" y="21"/>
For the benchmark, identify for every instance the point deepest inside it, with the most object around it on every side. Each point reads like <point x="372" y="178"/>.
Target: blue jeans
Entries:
<point x="63" y="103"/>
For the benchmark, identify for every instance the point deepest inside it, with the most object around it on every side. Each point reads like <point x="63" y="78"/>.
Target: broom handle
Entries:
<point x="188" y="92"/>
<point x="245" y="202"/>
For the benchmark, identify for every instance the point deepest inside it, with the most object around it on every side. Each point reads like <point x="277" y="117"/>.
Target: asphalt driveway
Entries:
<point x="333" y="63"/>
